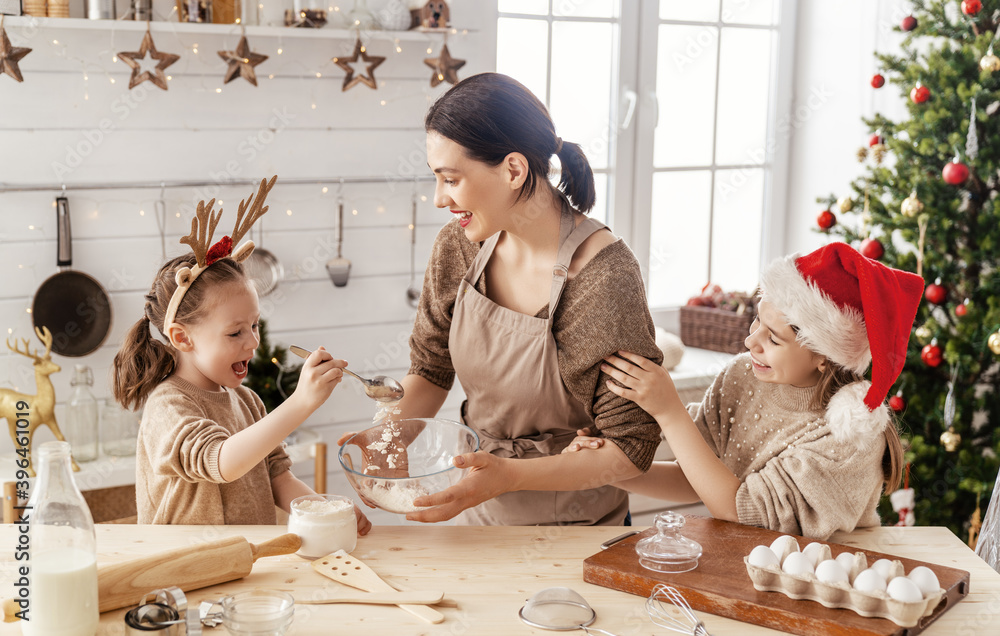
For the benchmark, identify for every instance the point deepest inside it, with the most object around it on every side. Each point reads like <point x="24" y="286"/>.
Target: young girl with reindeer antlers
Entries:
<point x="207" y="452"/>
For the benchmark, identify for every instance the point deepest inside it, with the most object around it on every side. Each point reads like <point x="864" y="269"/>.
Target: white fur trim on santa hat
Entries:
<point x="830" y="330"/>
<point x="850" y="420"/>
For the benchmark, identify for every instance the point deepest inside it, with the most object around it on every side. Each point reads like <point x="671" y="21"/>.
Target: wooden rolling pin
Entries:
<point x="191" y="568"/>
<point x="194" y="567"/>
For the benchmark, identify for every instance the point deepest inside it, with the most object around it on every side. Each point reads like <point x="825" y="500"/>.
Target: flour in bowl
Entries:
<point x="394" y="496"/>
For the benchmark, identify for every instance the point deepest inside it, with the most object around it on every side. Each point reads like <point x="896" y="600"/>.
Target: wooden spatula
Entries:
<point x="378" y="598"/>
<point x="343" y="568"/>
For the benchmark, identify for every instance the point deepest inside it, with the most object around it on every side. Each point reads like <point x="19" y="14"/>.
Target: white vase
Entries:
<point x="395" y="16"/>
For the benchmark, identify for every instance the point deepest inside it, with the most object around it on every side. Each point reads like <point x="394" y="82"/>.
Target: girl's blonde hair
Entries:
<point x="143" y="362"/>
<point x="832" y="378"/>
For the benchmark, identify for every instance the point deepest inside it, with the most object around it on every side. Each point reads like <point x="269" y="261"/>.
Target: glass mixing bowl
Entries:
<point x="393" y="463"/>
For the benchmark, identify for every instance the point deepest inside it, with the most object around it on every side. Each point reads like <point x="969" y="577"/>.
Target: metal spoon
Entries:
<point x="381" y="388"/>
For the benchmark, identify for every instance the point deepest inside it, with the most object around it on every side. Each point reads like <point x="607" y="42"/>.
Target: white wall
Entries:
<point x="834" y="63"/>
<point x="68" y="123"/>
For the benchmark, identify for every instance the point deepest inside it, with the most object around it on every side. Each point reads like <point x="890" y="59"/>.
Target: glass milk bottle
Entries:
<point x="62" y="559"/>
<point x="81" y="416"/>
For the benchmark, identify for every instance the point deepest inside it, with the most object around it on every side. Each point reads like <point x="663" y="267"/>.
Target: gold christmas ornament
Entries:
<point x="845" y="204"/>
<point x="911" y="206"/>
<point x="990" y="62"/>
<point x="445" y="67"/>
<point x="950" y="439"/>
<point x="371" y="62"/>
<point x="242" y="62"/>
<point x="994" y="342"/>
<point x="878" y="152"/>
<point x="10" y="55"/>
<point x="862" y="154"/>
<point x="923" y="333"/>
<point x="164" y="60"/>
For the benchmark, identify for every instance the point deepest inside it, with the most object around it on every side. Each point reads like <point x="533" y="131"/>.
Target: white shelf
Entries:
<point x="329" y="33"/>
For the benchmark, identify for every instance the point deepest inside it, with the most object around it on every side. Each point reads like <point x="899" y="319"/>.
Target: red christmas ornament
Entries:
<point x="931" y="354"/>
<point x="872" y="248"/>
<point x="920" y="94"/>
<point x="826" y="220"/>
<point x="909" y="23"/>
<point x="935" y="293"/>
<point x="897" y="403"/>
<point x="971" y="7"/>
<point x="878" y="81"/>
<point x="955" y="172"/>
<point x="875" y="140"/>
<point x="961" y="310"/>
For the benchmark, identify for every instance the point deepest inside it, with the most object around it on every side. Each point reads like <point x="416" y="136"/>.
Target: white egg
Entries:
<point x="869" y="581"/>
<point x="925" y="579"/>
<point x="846" y="561"/>
<point x="796" y="563"/>
<point x="763" y="556"/>
<point x="830" y="571"/>
<point x="886" y="568"/>
<point x="813" y="552"/>
<point x="784" y="545"/>
<point x="905" y="590"/>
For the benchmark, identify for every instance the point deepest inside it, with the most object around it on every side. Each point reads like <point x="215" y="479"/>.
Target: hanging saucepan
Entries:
<point x="74" y="306"/>
<point x="263" y="267"/>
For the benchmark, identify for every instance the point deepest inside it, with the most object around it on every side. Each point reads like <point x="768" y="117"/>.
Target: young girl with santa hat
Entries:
<point x="790" y="436"/>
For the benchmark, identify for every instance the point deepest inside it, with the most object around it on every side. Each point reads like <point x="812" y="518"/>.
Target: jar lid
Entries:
<point x="668" y="550"/>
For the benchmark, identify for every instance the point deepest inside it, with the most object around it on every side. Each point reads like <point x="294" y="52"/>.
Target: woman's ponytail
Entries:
<point x="577" y="178"/>
<point x="140" y="364"/>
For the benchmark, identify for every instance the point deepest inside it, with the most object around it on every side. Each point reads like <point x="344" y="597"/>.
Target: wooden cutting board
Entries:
<point x="720" y="584"/>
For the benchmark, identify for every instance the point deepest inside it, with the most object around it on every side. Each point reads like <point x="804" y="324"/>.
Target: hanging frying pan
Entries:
<point x="74" y="306"/>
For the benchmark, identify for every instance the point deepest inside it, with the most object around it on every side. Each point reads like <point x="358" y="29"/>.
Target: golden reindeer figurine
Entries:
<point x="37" y="409"/>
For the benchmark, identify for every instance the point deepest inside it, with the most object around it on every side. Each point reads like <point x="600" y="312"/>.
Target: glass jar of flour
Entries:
<point x="325" y="523"/>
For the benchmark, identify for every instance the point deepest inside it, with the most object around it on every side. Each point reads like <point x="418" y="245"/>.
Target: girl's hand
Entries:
<point x="642" y="381"/>
<point x="320" y="373"/>
<point x="584" y="440"/>
<point x="487" y="479"/>
<point x="364" y="526"/>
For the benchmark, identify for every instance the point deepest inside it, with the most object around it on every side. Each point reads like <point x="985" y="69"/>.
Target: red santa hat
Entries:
<point x="855" y="311"/>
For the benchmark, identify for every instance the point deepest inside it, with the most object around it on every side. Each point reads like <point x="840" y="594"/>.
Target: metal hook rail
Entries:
<point x="162" y="185"/>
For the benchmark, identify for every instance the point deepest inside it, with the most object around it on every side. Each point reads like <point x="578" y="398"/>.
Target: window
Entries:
<point x="675" y="105"/>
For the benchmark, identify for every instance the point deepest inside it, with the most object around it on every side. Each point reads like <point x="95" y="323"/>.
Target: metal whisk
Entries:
<point x="659" y="613"/>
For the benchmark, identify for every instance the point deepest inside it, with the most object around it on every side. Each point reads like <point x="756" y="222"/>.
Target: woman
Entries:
<point x="523" y="298"/>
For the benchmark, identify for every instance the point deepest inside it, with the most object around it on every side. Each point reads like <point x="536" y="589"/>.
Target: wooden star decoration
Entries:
<point x="163" y="60"/>
<point x="10" y="55"/>
<point x="242" y="62"/>
<point x="372" y="62"/>
<point x="445" y="67"/>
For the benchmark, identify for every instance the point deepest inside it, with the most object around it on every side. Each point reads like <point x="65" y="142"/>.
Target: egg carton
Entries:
<point x="875" y="604"/>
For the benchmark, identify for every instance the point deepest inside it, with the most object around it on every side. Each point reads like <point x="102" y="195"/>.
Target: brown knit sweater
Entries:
<point x="177" y="476"/>
<point x="796" y="478"/>
<point x="603" y="310"/>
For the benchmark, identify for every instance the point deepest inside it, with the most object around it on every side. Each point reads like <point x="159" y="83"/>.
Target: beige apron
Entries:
<point x="507" y="364"/>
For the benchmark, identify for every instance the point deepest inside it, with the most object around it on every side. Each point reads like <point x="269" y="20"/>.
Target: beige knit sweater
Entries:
<point x="796" y="478"/>
<point x="177" y="476"/>
<point x="603" y="310"/>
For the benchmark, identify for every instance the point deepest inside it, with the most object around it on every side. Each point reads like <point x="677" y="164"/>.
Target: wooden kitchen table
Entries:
<point x="489" y="572"/>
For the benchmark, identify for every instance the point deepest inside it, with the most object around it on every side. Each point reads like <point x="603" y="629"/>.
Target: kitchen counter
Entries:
<point x="489" y="572"/>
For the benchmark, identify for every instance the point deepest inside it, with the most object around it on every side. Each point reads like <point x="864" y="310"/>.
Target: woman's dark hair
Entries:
<point x="491" y="115"/>
<point x="142" y="362"/>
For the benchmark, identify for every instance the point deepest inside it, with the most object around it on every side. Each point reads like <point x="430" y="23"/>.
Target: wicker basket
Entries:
<point x="715" y="329"/>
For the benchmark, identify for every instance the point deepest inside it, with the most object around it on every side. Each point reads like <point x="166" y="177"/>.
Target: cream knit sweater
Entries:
<point x="796" y="478"/>
<point x="177" y="477"/>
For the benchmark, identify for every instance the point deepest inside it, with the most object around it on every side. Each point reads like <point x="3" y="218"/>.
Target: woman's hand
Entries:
<point x="321" y="372"/>
<point x="584" y="439"/>
<point x="487" y="478"/>
<point x="364" y="525"/>
<point x="642" y="381"/>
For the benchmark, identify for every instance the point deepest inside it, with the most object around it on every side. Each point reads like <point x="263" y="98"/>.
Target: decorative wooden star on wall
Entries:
<point x="372" y="62"/>
<point x="445" y="67"/>
<point x="157" y="77"/>
<point x="242" y="62"/>
<point x="10" y="55"/>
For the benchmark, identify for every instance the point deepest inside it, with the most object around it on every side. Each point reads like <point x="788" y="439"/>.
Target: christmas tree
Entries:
<point x="267" y="373"/>
<point x="926" y="203"/>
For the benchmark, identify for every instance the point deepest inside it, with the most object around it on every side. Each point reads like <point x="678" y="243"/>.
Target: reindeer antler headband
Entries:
<point x="200" y="238"/>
